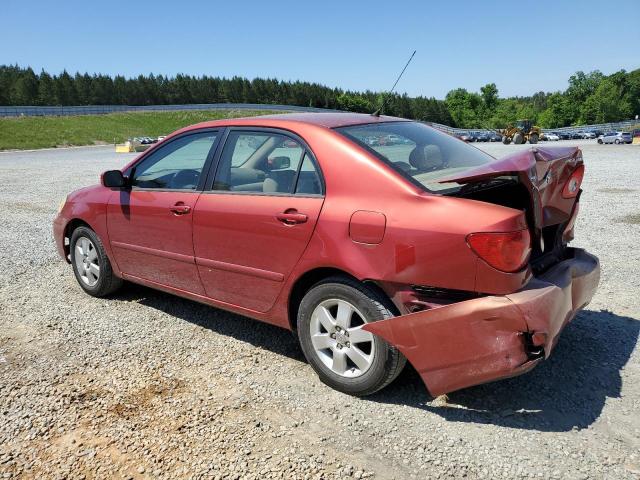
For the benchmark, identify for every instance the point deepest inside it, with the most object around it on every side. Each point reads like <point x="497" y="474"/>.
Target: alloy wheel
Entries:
<point x="339" y="340"/>
<point x="87" y="261"/>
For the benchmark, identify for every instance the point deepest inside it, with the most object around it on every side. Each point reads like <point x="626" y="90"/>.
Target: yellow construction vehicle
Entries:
<point x="522" y="132"/>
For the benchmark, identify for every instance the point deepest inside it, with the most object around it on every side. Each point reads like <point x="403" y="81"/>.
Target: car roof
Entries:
<point x="322" y="119"/>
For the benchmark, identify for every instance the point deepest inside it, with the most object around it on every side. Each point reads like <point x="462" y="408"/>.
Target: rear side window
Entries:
<point x="265" y="162"/>
<point x="309" y="182"/>
<point x="422" y="154"/>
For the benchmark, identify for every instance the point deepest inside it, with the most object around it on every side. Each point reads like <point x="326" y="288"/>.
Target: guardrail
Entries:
<point x="31" y="111"/>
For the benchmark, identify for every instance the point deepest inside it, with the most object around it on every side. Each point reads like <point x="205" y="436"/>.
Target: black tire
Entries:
<point x="506" y="140"/>
<point x="387" y="362"/>
<point x="616" y="141"/>
<point x="107" y="282"/>
<point x="533" y="139"/>
<point x="518" y="138"/>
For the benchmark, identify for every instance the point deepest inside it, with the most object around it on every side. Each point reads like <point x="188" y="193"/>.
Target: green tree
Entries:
<point x="464" y="108"/>
<point x="24" y="91"/>
<point x="609" y="103"/>
<point x="558" y="113"/>
<point x="46" y="91"/>
<point x="489" y="96"/>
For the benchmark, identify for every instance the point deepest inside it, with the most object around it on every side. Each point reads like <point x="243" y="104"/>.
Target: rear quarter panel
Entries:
<point x="425" y="237"/>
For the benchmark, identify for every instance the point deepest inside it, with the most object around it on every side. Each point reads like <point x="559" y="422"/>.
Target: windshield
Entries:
<point x="422" y="154"/>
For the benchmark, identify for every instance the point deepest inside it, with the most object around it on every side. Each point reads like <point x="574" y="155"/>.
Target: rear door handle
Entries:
<point x="180" y="208"/>
<point x="291" y="217"/>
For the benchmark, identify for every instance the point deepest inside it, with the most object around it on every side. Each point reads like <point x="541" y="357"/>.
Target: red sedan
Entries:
<point x="424" y="250"/>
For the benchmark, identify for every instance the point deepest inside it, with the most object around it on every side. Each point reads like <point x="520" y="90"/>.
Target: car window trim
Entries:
<point x="208" y="187"/>
<point x="205" y="168"/>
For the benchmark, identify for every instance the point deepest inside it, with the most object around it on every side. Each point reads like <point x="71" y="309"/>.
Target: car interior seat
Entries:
<point x="426" y="158"/>
<point x="185" y="179"/>
<point x="279" y="181"/>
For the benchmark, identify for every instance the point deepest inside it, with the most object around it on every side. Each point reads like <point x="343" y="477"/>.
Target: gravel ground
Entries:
<point x="146" y="385"/>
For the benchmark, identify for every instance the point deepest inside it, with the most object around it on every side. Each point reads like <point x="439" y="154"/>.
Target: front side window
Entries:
<point x="177" y="165"/>
<point x="259" y="162"/>
<point x="423" y="154"/>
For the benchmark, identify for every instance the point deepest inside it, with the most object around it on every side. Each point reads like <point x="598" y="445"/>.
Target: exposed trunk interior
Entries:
<point x="508" y="191"/>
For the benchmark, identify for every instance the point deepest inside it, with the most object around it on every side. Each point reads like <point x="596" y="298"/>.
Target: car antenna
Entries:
<point x="385" y="96"/>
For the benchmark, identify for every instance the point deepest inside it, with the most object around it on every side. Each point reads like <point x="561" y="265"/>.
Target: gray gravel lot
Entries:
<point x="147" y="385"/>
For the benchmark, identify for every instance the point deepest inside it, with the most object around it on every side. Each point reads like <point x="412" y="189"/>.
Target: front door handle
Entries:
<point x="180" y="208"/>
<point x="292" y="217"/>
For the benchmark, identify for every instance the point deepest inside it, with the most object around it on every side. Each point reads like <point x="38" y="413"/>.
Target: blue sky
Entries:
<point x="350" y="44"/>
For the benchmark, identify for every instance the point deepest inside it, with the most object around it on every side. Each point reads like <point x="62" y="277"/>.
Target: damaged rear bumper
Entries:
<point x="493" y="337"/>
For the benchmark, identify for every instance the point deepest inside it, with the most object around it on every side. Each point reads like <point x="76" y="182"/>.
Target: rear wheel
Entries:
<point x="617" y="142"/>
<point x="91" y="265"/>
<point x="533" y="139"/>
<point x="518" y="138"/>
<point x="346" y="357"/>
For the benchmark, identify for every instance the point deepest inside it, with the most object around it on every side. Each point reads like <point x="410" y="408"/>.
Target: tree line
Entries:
<point x="590" y="97"/>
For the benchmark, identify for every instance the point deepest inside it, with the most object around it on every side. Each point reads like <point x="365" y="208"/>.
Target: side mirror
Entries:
<point x="279" y="163"/>
<point x="113" y="179"/>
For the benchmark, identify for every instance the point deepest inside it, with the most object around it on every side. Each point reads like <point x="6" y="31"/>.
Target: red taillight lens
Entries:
<point x="505" y="251"/>
<point x="572" y="187"/>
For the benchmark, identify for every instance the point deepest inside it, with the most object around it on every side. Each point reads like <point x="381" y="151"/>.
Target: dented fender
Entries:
<point x="493" y="337"/>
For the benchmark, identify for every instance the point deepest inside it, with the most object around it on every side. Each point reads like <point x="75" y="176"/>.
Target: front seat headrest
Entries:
<point x="426" y="157"/>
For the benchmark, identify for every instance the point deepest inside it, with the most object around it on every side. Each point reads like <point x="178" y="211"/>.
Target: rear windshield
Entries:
<point x="422" y="154"/>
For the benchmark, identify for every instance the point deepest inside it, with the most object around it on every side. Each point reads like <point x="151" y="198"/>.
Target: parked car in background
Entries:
<point x="588" y="135"/>
<point x="551" y="137"/>
<point x="495" y="137"/>
<point x="464" y="136"/>
<point x="564" y="135"/>
<point x="482" y="137"/>
<point x="577" y="135"/>
<point x="616" y="137"/>
<point x="421" y="254"/>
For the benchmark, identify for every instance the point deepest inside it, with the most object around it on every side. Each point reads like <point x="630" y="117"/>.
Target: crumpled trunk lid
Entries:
<point x="543" y="171"/>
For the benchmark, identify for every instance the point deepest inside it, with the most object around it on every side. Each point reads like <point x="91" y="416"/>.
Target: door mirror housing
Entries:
<point x="113" y="179"/>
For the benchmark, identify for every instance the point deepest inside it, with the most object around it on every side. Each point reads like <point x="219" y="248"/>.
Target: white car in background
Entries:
<point x="616" y="137"/>
<point x="551" y="137"/>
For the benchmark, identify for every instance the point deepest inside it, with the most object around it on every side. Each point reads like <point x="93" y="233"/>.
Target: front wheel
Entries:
<point x="346" y="357"/>
<point x="533" y="139"/>
<point x="518" y="138"/>
<point x="91" y="265"/>
<point x="617" y="142"/>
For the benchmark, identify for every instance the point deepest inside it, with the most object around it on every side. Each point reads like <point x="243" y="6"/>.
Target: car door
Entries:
<point x="150" y="223"/>
<point x="253" y="223"/>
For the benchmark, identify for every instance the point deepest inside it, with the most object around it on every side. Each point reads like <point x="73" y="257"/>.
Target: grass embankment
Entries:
<point x="44" y="132"/>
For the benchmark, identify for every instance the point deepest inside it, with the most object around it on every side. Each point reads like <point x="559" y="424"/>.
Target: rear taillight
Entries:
<point x="572" y="187"/>
<point x="505" y="251"/>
